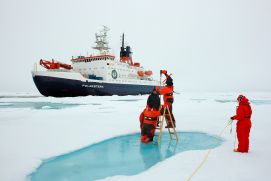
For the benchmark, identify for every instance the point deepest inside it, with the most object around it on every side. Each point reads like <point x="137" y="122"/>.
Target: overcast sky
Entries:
<point x="208" y="45"/>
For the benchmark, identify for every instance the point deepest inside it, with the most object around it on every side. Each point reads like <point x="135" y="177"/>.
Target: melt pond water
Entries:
<point x="123" y="155"/>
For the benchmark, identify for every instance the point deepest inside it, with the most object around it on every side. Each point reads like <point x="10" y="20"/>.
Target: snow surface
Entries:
<point x="29" y="135"/>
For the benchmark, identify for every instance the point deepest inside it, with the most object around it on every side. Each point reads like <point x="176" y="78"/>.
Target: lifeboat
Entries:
<point x="140" y="73"/>
<point x="137" y="64"/>
<point x="148" y="73"/>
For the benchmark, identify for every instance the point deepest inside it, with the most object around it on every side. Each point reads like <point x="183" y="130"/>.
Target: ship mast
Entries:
<point x="101" y="41"/>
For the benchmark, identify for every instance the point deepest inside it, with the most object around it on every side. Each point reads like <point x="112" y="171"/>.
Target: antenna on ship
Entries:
<point x="101" y="41"/>
<point x="122" y="45"/>
<point x="122" y="49"/>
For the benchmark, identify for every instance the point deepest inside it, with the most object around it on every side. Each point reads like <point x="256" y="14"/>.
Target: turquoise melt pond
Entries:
<point x="123" y="155"/>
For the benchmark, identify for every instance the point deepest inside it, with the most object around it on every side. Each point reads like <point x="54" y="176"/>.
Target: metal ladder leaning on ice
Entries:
<point x="161" y="120"/>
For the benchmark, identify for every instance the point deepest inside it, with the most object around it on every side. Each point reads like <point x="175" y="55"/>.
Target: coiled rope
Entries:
<point x="207" y="154"/>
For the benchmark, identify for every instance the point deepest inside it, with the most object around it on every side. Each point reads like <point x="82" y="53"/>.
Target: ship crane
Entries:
<point x="54" y="64"/>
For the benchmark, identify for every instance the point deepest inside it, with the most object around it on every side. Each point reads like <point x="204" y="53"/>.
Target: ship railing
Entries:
<point x="59" y="70"/>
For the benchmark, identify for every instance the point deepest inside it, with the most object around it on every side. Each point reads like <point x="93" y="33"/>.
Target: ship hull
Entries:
<point x="61" y="87"/>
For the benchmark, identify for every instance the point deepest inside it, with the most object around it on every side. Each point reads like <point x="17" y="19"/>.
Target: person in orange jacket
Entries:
<point x="149" y="117"/>
<point x="243" y="126"/>
<point x="167" y="93"/>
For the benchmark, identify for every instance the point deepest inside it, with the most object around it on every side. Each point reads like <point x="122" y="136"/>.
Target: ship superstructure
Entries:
<point x="101" y="74"/>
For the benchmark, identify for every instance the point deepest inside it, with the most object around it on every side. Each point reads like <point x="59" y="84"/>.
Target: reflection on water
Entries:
<point x="198" y="100"/>
<point x="260" y="102"/>
<point x="127" y="100"/>
<point x="123" y="155"/>
<point x="20" y="96"/>
<point x="253" y="101"/>
<point x="37" y="105"/>
<point x="224" y="101"/>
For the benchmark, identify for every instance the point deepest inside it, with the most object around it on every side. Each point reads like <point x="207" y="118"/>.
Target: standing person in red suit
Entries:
<point x="149" y="117"/>
<point x="243" y="115"/>
<point x="167" y="93"/>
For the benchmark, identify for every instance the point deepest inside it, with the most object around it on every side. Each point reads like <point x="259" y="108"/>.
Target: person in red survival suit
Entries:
<point x="167" y="93"/>
<point x="149" y="117"/>
<point x="243" y="115"/>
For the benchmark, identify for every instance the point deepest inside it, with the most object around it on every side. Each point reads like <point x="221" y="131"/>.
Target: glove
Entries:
<point x="232" y="118"/>
<point x="163" y="72"/>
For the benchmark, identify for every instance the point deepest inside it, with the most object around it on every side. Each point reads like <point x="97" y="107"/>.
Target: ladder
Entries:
<point x="162" y="118"/>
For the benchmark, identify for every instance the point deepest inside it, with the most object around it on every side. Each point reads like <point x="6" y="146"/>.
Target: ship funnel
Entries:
<point x="125" y="52"/>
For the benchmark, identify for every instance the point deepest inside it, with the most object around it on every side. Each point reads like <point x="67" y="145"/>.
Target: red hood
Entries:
<point x="244" y="101"/>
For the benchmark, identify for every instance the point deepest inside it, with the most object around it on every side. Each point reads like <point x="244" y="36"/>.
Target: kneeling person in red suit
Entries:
<point x="149" y="118"/>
